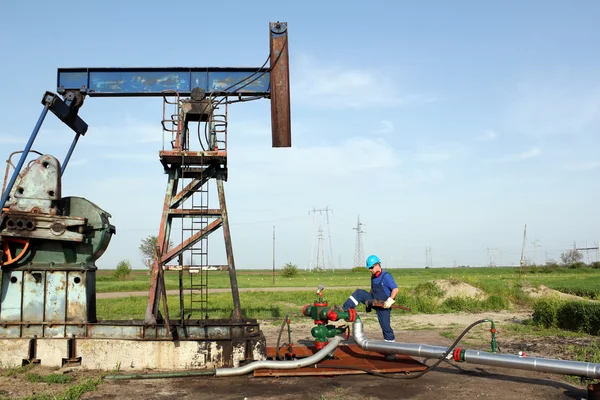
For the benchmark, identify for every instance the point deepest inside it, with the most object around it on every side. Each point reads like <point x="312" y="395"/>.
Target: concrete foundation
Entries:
<point x="130" y="355"/>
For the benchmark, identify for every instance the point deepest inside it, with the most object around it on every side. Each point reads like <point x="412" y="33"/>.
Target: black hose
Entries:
<point x="420" y="374"/>
<point x="277" y="356"/>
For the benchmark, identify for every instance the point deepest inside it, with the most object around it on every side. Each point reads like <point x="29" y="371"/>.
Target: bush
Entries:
<point x="289" y="270"/>
<point x="577" y="316"/>
<point x="358" y="269"/>
<point x="123" y="270"/>
<point x="595" y="264"/>
<point x="577" y="265"/>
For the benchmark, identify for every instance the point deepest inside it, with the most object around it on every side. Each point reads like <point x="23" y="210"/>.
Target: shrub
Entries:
<point x="577" y="316"/>
<point x="545" y="312"/>
<point x="289" y="270"/>
<point x="577" y="265"/>
<point x="428" y="289"/>
<point x="595" y="264"/>
<point x="358" y="269"/>
<point x="123" y="270"/>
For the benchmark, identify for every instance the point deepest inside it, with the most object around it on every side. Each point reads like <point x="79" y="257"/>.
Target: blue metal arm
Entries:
<point x="116" y="82"/>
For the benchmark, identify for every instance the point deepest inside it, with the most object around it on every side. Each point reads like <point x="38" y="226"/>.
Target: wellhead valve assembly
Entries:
<point x="321" y="312"/>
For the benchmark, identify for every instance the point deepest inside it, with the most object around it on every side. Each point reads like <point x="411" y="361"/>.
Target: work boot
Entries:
<point x="391" y="357"/>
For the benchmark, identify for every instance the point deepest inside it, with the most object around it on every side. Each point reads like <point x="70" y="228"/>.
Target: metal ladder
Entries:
<point x="198" y="268"/>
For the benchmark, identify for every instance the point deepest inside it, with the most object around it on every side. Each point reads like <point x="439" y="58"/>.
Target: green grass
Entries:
<point x="11" y="372"/>
<point x="492" y="280"/>
<point x="52" y="378"/>
<point x="267" y="305"/>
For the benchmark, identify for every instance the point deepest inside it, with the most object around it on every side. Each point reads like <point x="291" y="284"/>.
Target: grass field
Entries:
<point x="490" y="279"/>
<point x="502" y="285"/>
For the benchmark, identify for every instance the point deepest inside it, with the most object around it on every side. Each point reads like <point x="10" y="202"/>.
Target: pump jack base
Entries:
<point x="344" y="356"/>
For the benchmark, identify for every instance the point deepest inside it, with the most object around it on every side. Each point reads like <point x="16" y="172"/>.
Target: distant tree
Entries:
<point x="123" y="270"/>
<point x="289" y="270"/>
<point x="571" y="257"/>
<point x="148" y="249"/>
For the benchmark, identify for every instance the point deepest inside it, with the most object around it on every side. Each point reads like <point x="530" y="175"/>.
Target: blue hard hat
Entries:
<point x="372" y="260"/>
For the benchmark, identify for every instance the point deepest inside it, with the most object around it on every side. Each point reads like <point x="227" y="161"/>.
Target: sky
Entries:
<point x="446" y="126"/>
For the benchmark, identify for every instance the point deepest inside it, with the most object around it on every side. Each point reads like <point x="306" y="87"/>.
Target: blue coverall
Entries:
<point x="381" y="289"/>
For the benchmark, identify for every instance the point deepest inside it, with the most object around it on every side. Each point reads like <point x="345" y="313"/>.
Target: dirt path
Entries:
<point x="118" y="295"/>
<point x="448" y="381"/>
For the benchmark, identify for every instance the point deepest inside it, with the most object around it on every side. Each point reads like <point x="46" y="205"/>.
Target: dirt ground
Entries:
<point x="448" y="381"/>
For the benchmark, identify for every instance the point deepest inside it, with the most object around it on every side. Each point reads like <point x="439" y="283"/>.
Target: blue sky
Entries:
<point x="447" y="125"/>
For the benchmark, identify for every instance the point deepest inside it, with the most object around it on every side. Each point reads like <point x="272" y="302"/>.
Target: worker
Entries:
<point x="383" y="288"/>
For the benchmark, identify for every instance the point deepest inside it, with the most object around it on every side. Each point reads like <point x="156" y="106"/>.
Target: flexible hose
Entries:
<point x="421" y="373"/>
<point x="277" y="356"/>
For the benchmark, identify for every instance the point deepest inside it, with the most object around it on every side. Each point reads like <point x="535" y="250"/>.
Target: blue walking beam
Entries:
<point x="123" y="82"/>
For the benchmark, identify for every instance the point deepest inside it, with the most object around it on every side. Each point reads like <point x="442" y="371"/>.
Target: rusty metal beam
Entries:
<point x="210" y="228"/>
<point x="183" y="213"/>
<point x="196" y="268"/>
<point x="192" y="187"/>
<point x="236" y="315"/>
<point x="281" y="129"/>
<point x="154" y="294"/>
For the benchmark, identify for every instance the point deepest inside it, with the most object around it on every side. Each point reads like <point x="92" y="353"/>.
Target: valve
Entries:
<point x="322" y="313"/>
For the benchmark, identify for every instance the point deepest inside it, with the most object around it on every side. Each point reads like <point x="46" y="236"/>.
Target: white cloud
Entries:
<point x="339" y="87"/>
<point x="531" y="153"/>
<point x="487" y="136"/>
<point x="131" y="157"/>
<point x="440" y="152"/>
<point x="357" y="154"/>
<point x="5" y="139"/>
<point x="387" y="127"/>
<point x="587" y="166"/>
<point x="557" y="107"/>
<point x="524" y="155"/>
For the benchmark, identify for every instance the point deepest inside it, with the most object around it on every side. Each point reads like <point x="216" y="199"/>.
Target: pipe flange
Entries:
<point x="58" y="228"/>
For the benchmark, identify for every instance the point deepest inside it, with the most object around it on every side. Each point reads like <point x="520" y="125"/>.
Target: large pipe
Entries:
<point x="289" y="364"/>
<point x="562" y="367"/>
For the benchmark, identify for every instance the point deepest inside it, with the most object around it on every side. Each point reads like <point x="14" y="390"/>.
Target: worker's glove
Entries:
<point x="388" y="303"/>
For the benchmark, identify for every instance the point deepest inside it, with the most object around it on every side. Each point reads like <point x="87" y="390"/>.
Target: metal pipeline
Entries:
<point x="562" y="367"/>
<point x="288" y="364"/>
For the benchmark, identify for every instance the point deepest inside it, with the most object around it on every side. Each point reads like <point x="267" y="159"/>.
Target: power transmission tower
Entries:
<point x="587" y="250"/>
<point x="358" y="250"/>
<point x="536" y="247"/>
<point x="492" y="254"/>
<point x="320" y="260"/>
<point x="314" y="211"/>
<point x="428" y="258"/>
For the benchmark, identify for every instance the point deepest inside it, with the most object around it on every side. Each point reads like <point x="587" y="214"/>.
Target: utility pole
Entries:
<point x="273" y="254"/>
<point x="359" y="259"/>
<point x="523" y="250"/>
